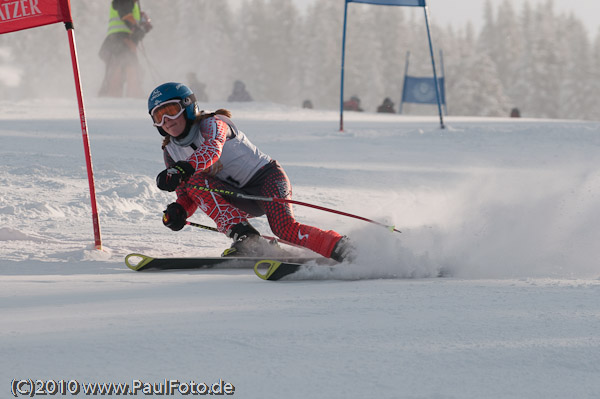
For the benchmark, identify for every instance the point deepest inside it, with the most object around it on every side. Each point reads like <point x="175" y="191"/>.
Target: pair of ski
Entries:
<point x="267" y="269"/>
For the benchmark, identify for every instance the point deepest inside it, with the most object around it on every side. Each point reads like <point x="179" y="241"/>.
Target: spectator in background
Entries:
<point x="239" y="92"/>
<point x="197" y="87"/>
<point x="127" y="26"/>
<point x="515" y="113"/>
<point x="353" y="104"/>
<point x="387" y="106"/>
<point x="307" y="104"/>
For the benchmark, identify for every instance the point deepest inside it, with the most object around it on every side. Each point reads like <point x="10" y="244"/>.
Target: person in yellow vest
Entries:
<point x="127" y="26"/>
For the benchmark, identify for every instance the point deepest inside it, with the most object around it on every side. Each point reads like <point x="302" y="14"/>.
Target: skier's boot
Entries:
<point x="247" y="241"/>
<point x="343" y="250"/>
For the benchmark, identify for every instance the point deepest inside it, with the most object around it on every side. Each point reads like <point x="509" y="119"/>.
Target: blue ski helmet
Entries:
<point x="171" y="91"/>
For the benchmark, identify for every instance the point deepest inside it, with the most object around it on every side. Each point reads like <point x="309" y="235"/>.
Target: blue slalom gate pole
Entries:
<point x="342" y="70"/>
<point x="435" y="79"/>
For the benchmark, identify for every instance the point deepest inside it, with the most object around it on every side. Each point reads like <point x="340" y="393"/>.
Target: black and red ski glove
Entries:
<point x="174" y="217"/>
<point x="170" y="178"/>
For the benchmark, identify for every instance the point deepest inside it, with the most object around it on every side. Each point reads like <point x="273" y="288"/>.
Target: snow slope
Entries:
<point x="509" y="207"/>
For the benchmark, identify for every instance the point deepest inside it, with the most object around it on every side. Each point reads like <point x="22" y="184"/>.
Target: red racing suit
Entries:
<point x="224" y="159"/>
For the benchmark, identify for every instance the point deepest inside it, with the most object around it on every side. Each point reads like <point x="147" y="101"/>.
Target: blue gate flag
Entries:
<point x="422" y="90"/>
<point x="408" y="3"/>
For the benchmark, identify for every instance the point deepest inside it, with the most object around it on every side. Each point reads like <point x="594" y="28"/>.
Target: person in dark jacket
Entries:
<point x="387" y="106"/>
<point x="353" y="104"/>
<point x="239" y="92"/>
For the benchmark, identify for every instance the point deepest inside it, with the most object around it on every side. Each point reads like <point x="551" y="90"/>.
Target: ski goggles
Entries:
<point x="169" y="109"/>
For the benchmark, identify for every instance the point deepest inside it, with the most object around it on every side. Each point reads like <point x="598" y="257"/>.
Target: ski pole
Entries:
<point x="290" y="201"/>
<point x="201" y="226"/>
<point x="153" y="71"/>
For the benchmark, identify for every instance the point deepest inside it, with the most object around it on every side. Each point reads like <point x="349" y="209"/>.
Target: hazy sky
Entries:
<point x="458" y="12"/>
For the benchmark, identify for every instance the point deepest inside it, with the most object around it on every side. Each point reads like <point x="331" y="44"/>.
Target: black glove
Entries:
<point x="170" y="178"/>
<point x="174" y="217"/>
<point x="145" y="22"/>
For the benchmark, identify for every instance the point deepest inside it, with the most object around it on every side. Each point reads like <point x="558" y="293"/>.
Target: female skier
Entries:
<point x="205" y="152"/>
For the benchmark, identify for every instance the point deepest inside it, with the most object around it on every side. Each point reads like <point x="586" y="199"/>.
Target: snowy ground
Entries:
<point x="511" y="208"/>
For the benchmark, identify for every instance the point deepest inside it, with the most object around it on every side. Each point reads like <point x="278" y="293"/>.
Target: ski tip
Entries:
<point x="137" y="261"/>
<point x="271" y="267"/>
<point x="275" y="269"/>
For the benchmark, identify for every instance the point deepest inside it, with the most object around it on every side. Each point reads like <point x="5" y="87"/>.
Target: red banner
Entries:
<point x="24" y="14"/>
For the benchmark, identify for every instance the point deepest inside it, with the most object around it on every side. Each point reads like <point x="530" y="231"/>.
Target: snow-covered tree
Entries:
<point x="322" y="35"/>
<point x="594" y="106"/>
<point x="576" y="93"/>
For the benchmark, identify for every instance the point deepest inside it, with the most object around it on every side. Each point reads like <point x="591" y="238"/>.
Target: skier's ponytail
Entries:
<point x="166" y="140"/>
<point x="203" y="115"/>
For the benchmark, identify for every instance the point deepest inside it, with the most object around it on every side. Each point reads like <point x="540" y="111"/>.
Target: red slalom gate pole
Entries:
<point x="86" y="141"/>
